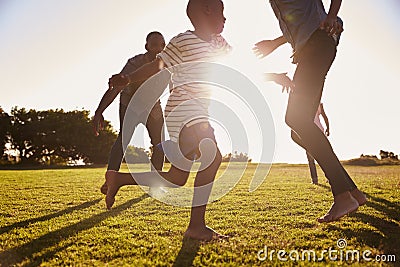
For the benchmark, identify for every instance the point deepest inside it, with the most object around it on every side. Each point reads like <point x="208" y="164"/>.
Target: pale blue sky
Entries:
<point x="60" y="54"/>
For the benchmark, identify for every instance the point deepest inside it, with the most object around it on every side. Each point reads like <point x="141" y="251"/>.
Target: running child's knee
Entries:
<point x="181" y="182"/>
<point x="181" y="176"/>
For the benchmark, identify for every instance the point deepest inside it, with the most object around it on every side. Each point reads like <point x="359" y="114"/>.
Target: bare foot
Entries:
<point x="103" y="188"/>
<point x="359" y="196"/>
<point x="112" y="188"/>
<point x="204" y="234"/>
<point x="343" y="204"/>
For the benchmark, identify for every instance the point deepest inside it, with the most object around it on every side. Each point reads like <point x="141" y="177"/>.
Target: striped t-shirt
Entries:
<point x="184" y="56"/>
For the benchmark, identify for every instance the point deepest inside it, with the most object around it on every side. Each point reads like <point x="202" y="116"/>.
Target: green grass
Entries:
<point x="58" y="217"/>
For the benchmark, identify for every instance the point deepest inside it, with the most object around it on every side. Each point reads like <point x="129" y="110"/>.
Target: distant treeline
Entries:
<point x="55" y="137"/>
<point x="236" y="157"/>
<point x="386" y="158"/>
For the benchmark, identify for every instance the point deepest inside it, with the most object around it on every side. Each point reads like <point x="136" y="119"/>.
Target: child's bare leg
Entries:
<point x="115" y="180"/>
<point x="197" y="228"/>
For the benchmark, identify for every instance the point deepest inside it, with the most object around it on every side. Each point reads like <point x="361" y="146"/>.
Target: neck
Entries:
<point x="203" y="35"/>
<point x="150" y="56"/>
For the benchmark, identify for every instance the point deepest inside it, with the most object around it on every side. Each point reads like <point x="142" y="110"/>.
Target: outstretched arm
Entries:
<point x="266" y="47"/>
<point x="282" y="79"/>
<point x="141" y="74"/>
<point x="106" y="100"/>
<point x="327" y="131"/>
<point x="331" y="24"/>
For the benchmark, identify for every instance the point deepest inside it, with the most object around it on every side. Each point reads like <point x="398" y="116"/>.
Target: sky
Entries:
<point x="60" y="54"/>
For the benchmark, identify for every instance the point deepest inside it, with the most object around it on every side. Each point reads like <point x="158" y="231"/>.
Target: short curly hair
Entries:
<point x="151" y="34"/>
<point x="194" y="6"/>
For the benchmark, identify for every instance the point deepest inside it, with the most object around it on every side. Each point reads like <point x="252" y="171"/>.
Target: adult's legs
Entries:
<point x="313" y="169"/>
<point x="154" y="127"/>
<point x="297" y="140"/>
<point x="117" y="153"/>
<point x="315" y="61"/>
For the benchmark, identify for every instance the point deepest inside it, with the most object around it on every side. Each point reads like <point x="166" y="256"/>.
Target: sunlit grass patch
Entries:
<point x="58" y="217"/>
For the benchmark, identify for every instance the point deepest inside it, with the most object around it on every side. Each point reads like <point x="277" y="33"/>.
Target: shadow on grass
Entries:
<point x="384" y="206"/>
<point x="187" y="253"/>
<point x="16" y="256"/>
<point x="387" y="234"/>
<point x="25" y="223"/>
<point x="324" y="186"/>
<point x="34" y="167"/>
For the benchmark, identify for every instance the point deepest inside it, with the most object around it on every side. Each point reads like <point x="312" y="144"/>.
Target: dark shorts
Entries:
<point x="189" y="141"/>
<point x="190" y="138"/>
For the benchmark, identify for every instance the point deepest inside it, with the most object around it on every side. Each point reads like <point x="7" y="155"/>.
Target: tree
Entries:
<point x="136" y="155"/>
<point x="5" y="126"/>
<point x="388" y="155"/>
<point x="40" y="136"/>
<point x="236" y="157"/>
<point x="383" y="154"/>
<point x="393" y="156"/>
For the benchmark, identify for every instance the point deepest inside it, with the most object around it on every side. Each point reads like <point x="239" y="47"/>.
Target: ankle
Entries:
<point x="196" y="226"/>
<point x="345" y="198"/>
<point x="342" y="196"/>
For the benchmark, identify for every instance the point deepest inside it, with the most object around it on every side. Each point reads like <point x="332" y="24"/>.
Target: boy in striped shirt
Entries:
<point x="186" y="112"/>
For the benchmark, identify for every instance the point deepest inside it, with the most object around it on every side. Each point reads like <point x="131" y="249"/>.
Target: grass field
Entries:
<point x="58" y="217"/>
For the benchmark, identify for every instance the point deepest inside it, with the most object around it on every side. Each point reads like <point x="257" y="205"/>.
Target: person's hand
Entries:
<point x="282" y="79"/>
<point x="98" y="123"/>
<point x="118" y="80"/>
<point x="327" y="132"/>
<point x="331" y="25"/>
<point x="264" y="48"/>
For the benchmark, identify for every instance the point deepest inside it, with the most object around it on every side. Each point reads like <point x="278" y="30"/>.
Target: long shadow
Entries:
<point x="25" y="223"/>
<point x="386" y="239"/>
<point x="324" y="186"/>
<point x="15" y="256"/>
<point x="388" y="235"/>
<point x="44" y="167"/>
<point x="382" y="205"/>
<point x="187" y="253"/>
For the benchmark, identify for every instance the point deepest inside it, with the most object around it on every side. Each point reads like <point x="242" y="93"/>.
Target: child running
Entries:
<point x="188" y="128"/>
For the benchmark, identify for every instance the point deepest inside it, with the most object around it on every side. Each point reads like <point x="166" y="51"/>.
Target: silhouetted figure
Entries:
<point x="155" y="43"/>
<point x="314" y="35"/>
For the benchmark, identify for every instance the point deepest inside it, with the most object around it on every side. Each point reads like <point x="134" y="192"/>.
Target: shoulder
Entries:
<point x="187" y="35"/>
<point x="136" y="60"/>
<point x="184" y="43"/>
<point x="133" y="64"/>
<point x="184" y="39"/>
